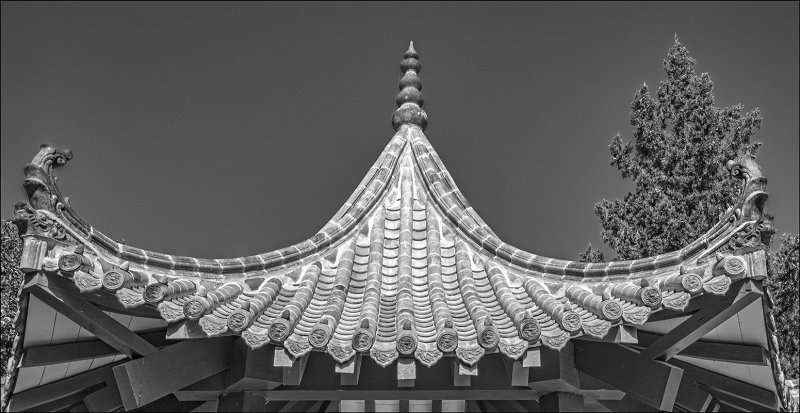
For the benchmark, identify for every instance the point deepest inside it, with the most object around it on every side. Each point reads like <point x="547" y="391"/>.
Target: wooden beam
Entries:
<point x="293" y="376"/>
<point x="597" y="389"/>
<point x="627" y="404"/>
<point x="561" y="402"/>
<point x="63" y="404"/>
<point x="106" y="399"/>
<point x="245" y="402"/>
<point x="532" y="357"/>
<point x="691" y="397"/>
<point x="557" y="371"/>
<point x="622" y="334"/>
<point x="252" y="369"/>
<point x="299" y="406"/>
<point x="517" y="372"/>
<point x="149" y="378"/>
<point x="398" y="394"/>
<point x="81" y="350"/>
<point x="721" y="395"/>
<point x="695" y="304"/>
<point x="486" y="406"/>
<point x="333" y="406"/>
<point x="350" y="371"/>
<point x="462" y="373"/>
<point x="207" y="389"/>
<point x="208" y="407"/>
<point x="654" y="382"/>
<point x="701" y="323"/>
<point x="709" y="350"/>
<point x="406" y="372"/>
<point x="84" y="382"/>
<point x="91" y="318"/>
<point x="507" y="406"/>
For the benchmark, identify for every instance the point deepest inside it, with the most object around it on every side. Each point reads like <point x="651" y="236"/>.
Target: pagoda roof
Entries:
<point x="405" y="268"/>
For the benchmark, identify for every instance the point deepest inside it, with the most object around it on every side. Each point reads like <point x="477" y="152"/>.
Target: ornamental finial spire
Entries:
<point x="409" y="99"/>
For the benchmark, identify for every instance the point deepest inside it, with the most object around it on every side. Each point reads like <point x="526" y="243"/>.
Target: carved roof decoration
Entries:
<point x="406" y="268"/>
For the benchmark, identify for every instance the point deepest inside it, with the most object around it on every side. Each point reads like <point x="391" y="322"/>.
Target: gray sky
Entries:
<point x="225" y="130"/>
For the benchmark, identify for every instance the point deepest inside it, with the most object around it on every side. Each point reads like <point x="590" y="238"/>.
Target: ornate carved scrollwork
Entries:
<point x="33" y="222"/>
<point x="753" y="236"/>
<point x="759" y="230"/>
<point x="39" y="178"/>
<point x="746" y="169"/>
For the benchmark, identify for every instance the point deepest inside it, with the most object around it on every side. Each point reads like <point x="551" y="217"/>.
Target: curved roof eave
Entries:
<point x="46" y="198"/>
<point x="405" y="267"/>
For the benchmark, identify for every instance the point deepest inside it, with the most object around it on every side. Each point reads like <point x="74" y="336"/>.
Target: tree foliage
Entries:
<point x="591" y="255"/>
<point x="676" y="160"/>
<point x="783" y="284"/>
<point x="11" y="277"/>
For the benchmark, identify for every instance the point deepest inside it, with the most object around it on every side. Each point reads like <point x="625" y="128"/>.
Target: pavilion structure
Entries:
<point x="404" y="300"/>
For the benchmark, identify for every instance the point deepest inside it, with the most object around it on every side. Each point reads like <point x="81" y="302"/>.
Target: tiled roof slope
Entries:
<point x="406" y="267"/>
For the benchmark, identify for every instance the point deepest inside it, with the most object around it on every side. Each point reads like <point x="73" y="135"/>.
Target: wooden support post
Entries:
<point x="293" y="376"/>
<point x="91" y="318"/>
<point x="709" y="350"/>
<point x="652" y="381"/>
<point x="702" y="322"/>
<point x="406" y="372"/>
<point x="149" y="378"/>
<point x="561" y="402"/>
<point x="349" y="371"/>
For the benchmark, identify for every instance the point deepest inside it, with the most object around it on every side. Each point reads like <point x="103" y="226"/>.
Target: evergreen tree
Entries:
<point x="783" y="284"/>
<point x="591" y="255"/>
<point x="676" y="159"/>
